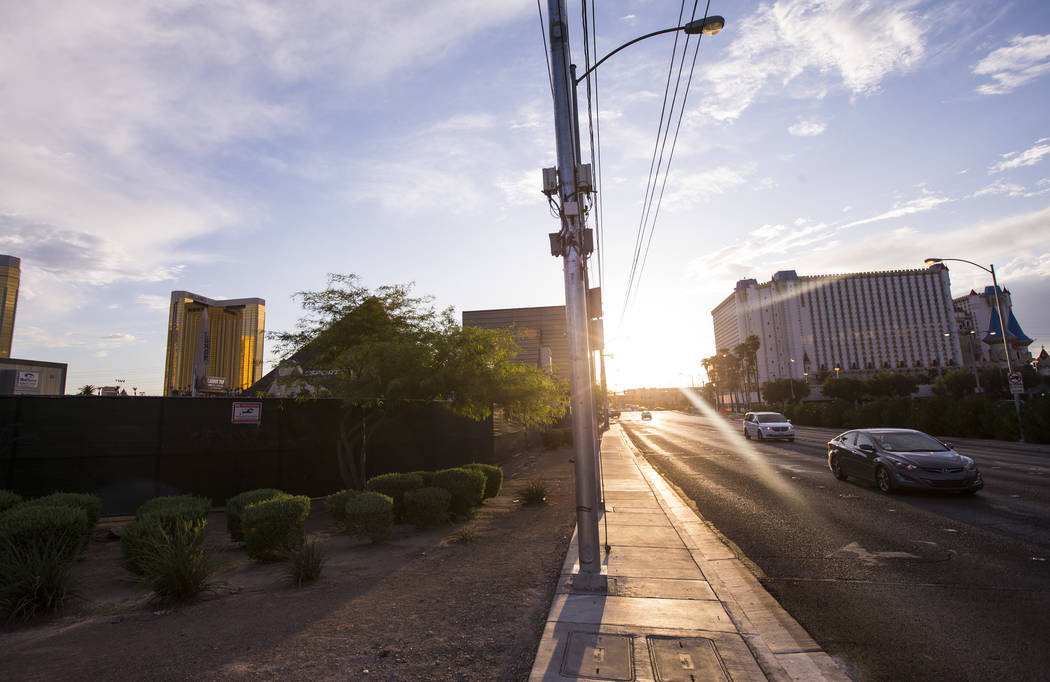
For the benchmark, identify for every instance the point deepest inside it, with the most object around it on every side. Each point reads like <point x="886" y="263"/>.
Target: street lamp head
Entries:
<point x="931" y="261"/>
<point x="709" y="26"/>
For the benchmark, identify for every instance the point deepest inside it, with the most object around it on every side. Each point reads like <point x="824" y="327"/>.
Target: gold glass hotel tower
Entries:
<point x="213" y="346"/>
<point x="10" y="273"/>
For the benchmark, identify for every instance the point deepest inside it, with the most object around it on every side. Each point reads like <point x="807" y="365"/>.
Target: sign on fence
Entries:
<point x="247" y="413"/>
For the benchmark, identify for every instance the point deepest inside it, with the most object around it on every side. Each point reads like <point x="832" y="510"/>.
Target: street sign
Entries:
<point x="247" y="413"/>
<point x="1016" y="383"/>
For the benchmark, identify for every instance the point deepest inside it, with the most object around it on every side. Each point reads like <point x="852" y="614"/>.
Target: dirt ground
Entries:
<point x="465" y="601"/>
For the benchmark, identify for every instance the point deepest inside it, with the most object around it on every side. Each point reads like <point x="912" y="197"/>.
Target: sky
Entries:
<point x="243" y="149"/>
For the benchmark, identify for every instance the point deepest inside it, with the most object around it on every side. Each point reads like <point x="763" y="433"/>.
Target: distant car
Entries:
<point x="902" y="459"/>
<point x="647" y="416"/>
<point x="765" y="425"/>
<point x="614" y="413"/>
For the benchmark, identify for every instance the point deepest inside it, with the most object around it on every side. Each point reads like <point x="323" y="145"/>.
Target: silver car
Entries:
<point x="765" y="425"/>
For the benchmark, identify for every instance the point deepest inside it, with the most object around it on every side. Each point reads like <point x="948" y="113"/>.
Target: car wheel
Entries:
<point x="883" y="480"/>
<point x="836" y="469"/>
<point x="747" y="434"/>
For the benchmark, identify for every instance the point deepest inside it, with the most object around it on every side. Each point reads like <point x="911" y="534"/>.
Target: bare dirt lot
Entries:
<point x="465" y="601"/>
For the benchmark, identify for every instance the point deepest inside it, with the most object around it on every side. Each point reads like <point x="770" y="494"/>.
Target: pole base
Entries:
<point x="592" y="583"/>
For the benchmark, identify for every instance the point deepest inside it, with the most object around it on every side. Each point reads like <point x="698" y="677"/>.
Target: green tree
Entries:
<point x="845" y="388"/>
<point x="891" y="385"/>
<point x="785" y="390"/>
<point x="958" y="383"/>
<point x="380" y="347"/>
<point x="87" y="389"/>
<point x="747" y="352"/>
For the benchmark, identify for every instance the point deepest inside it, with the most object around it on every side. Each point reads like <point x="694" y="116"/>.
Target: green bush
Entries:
<point x="155" y="518"/>
<point x="175" y="562"/>
<point x="8" y="499"/>
<point x="91" y="504"/>
<point x="428" y="478"/>
<point x="395" y="486"/>
<point x="274" y="527"/>
<point x="493" y="477"/>
<point x="236" y="505"/>
<point x="370" y="515"/>
<point x="467" y="487"/>
<point x="534" y="491"/>
<point x="336" y="506"/>
<point x="36" y="576"/>
<point x="305" y="564"/>
<point x="427" y="506"/>
<point x="33" y="525"/>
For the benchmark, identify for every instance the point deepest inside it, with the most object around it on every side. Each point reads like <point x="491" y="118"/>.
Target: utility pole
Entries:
<point x="573" y="243"/>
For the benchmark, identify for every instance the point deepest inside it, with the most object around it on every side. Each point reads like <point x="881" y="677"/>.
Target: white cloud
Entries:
<point x="126" y="338"/>
<point x="153" y="302"/>
<point x="1028" y="157"/>
<point x="807" y="128"/>
<point x="927" y="202"/>
<point x="853" y="44"/>
<point x="1023" y="60"/>
<point x="1000" y="186"/>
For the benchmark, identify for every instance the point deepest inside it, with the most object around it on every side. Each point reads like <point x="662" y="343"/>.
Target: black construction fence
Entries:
<point x="129" y="449"/>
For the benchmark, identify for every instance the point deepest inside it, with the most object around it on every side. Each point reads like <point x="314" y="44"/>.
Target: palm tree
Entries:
<point x="86" y="389"/>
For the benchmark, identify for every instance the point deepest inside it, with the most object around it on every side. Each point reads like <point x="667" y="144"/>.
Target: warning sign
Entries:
<point x="1016" y="383"/>
<point x="247" y="413"/>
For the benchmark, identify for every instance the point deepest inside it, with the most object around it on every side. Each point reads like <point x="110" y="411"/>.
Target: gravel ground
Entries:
<point x="465" y="601"/>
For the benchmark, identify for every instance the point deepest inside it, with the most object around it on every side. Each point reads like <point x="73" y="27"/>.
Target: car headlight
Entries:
<point x="908" y="466"/>
<point x="970" y="465"/>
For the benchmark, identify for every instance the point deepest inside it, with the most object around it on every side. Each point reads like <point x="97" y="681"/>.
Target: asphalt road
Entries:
<point x="912" y="586"/>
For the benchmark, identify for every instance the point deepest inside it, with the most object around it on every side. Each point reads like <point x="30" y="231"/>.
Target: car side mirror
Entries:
<point x="870" y="449"/>
<point x="948" y="445"/>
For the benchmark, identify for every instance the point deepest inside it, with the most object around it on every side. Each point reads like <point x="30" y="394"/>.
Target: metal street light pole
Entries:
<point x="1002" y="330"/>
<point x="573" y="242"/>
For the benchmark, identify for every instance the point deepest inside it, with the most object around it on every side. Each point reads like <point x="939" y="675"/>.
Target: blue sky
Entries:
<point x="239" y="149"/>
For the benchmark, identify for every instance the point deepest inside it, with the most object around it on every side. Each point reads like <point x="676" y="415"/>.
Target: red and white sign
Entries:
<point x="1016" y="383"/>
<point x="247" y="413"/>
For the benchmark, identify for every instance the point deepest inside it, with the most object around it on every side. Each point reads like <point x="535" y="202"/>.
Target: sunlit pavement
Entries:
<point x="679" y="603"/>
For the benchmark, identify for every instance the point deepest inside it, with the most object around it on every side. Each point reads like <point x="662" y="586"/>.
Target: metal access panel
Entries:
<point x="686" y="659"/>
<point x="597" y="656"/>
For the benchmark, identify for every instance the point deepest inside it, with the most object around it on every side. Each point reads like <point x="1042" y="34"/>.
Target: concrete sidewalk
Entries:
<point x="679" y="604"/>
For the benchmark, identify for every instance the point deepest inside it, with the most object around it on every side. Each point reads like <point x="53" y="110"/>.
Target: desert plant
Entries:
<point x="370" y="515"/>
<point x="336" y="506"/>
<point x="395" y="486"/>
<point x="175" y="562"/>
<point x="467" y="487"/>
<point x="139" y="537"/>
<point x="236" y="505"/>
<point x="8" y="499"/>
<point x="493" y="477"/>
<point x="91" y="504"/>
<point x="305" y="563"/>
<point x="534" y="491"/>
<point x="427" y="506"/>
<point x="36" y="576"/>
<point x="274" y="527"/>
<point x="465" y="535"/>
<point x="33" y="525"/>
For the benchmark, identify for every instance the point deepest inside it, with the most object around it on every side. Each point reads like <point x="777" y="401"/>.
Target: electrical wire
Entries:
<point x="546" y="52"/>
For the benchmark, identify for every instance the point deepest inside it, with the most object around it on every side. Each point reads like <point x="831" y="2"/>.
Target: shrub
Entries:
<point x="427" y="506"/>
<point x="493" y="477"/>
<point x="8" y="499"/>
<point x="467" y="487"/>
<point x="175" y="562"/>
<point x="336" y="506"/>
<point x="91" y="504"/>
<point x="274" y="527"/>
<point x="370" y="515"/>
<point x="156" y="517"/>
<point x="395" y="486"/>
<point x="305" y="564"/>
<point x="236" y="505"/>
<point x="534" y="491"/>
<point x="465" y="535"/>
<point x="34" y="525"/>
<point x="36" y="576"/>
<point x="428" y="478"/>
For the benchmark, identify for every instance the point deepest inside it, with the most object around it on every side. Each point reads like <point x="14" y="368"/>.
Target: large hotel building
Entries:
<point x="10" y="274"/>
<point x="901" y="320"/>
<point x="213" y="346"/>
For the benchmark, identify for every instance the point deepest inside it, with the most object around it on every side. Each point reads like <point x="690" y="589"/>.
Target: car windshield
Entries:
<point x="771" y="417"/>
<point x="905" y="441"/>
